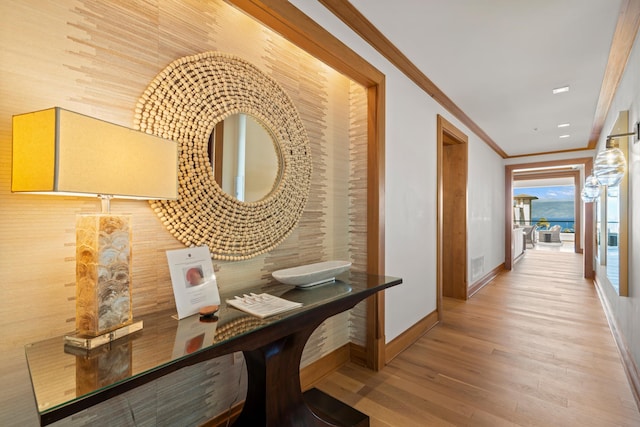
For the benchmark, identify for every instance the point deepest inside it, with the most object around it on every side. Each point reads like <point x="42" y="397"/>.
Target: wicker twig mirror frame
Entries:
<point x="184" y="103"/>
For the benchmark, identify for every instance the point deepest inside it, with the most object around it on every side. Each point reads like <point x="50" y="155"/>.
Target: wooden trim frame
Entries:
<point x="485" y="280"/>
<point x="216" y="151"/>
<point x="589" y="224"/>
<point x="292" y="24"/>
<point x="447" y="133"/>
<point x="621" y="267"/>
<point x="544" y="153"/>
<point x="411" y="335"/>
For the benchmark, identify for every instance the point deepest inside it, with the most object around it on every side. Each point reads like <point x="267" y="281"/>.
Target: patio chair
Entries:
<point x="530" y="235"/>
<point x="555" y="234"/>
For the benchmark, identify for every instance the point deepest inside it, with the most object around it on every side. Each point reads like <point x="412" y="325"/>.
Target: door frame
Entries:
<point x="447" y="133"/>
<point x="588" y="226"/>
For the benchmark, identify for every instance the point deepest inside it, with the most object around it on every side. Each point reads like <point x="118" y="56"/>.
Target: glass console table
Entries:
<point x="67" y="380"/>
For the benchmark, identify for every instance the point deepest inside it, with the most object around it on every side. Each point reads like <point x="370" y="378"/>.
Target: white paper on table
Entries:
<point x="194" y="282"/>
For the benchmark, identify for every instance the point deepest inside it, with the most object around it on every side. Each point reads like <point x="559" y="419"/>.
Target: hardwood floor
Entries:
<point x="532" y="348"/>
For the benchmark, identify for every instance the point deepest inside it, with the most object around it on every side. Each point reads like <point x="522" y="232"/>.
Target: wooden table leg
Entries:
<point x="274" y="397"/>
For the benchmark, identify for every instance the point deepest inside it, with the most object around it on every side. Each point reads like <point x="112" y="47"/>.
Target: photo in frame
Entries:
<point x="193" y="279"/>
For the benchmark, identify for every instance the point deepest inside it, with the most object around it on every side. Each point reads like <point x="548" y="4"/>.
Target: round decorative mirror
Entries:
<point x="186" y="102"/>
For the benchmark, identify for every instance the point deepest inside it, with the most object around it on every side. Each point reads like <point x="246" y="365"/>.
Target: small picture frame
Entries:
<point x="194" y="282"/>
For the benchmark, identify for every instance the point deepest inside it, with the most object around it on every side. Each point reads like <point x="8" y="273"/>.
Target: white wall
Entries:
<point x="410" y="201"/>
<point x="411" y="198"/>
<point x="485" y="245"/>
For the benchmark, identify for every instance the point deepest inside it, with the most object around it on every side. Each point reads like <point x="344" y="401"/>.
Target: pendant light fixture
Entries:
<point x="591" y="189"/>
<point x="610" y="165"/>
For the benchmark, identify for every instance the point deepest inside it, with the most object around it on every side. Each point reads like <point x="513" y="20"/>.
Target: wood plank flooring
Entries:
<point x="532" y="348"/>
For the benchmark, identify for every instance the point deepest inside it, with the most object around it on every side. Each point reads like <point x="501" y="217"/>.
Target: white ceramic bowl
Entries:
<point x="311" y="274"/>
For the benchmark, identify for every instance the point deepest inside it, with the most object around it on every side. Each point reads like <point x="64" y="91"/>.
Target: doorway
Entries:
<point x="585" y="215"/>
<point x="452" y="211"/>
<point x="555" y="178"/>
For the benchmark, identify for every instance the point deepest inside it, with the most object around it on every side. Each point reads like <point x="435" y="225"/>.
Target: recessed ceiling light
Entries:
<point x="564" y="125"/>
<point x="560" y="90"/>
<point x="564" y="136"/>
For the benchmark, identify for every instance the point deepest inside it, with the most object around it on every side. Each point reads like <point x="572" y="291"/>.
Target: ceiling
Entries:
<point x="499" y="60"/>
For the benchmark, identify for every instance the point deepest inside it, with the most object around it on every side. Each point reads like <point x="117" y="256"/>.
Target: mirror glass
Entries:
<point x="613" y="228"/>
<point x="244" y="157"/>
<point x="598" y="211"/>
<point x="612" y="223"/>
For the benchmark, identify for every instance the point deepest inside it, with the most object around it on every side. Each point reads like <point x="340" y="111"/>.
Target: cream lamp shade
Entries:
<point x="59" y="151"/>
<point x="56" y="151"/>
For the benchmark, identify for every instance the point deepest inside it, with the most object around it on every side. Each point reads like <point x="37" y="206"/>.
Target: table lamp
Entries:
<point x="56" y="151"/>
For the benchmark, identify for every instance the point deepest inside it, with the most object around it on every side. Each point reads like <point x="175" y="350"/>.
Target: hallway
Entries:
<point x="533" y="348"/>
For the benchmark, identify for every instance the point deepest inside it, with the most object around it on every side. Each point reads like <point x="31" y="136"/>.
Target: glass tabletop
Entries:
<point x="62" y="374"/>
